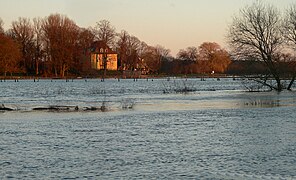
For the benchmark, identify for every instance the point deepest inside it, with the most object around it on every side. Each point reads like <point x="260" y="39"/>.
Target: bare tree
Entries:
<point x="163" y="51"/>
<point x="213" y="56"/>
<point x="122" y="48"/>
<point x="38" y="45"/>
<point x="133" y="55"/>
<point x="9" y="54"/>
<point x="105" y="32"/>
<point x="86" y="38"/>
<point x="142" y="48"/>
<point x="163" y="54"/>
<point x="289" y="32"/>
<point x="256" y="32"/>
<point x="152" y="59"/>
<point x="190" y="54"/>
<point x="61" y="37"/>
<point x="22" y="31"/>
<point x="136" y="54"/>
<point x="131" y="51"/>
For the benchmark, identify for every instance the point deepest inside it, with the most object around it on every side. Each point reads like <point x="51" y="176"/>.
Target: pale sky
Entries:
<point x="174" y="24"/>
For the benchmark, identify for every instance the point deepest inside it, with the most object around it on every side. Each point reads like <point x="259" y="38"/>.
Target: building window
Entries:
<point x="106" y="50"/>
<point x="101" y="50"/>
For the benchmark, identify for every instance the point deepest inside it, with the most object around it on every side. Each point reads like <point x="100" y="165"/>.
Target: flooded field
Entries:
<point x="151" y="129"/>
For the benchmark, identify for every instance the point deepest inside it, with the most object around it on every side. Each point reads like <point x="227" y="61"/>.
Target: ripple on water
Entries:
<point x="208" y="135"/>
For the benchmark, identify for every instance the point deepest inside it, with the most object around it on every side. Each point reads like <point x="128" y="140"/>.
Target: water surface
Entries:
<point x="149" y="130"/>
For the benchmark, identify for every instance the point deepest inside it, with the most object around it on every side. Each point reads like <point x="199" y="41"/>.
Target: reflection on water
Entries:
<point x="264" y="103"/>
<point x="269" y="99"/>
<point x="219" y="131"/>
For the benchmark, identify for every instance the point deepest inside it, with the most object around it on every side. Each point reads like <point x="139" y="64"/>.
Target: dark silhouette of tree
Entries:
<point x="38" y="44"/>
<point x="133" y="52"/>
<point x="246" y="68"/>
<point x="122" y="48"/>
<point x="105" y="32"/>
<point x="289" y="32"/>
<point x="152" y="59"/>
<point x="289" y="25"/>
<point x="190" y="54"/>
<point x="163" y="54"/>
<point x="256" y="33"/>
<point x="186" y="60"/>
<point x="9" y="54"/>
<point x="130" y="49"/>
<point x="86" y="38"/>
<point x="22" y="31"/>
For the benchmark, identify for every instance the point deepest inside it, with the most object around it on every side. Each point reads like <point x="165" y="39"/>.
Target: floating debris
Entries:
<point x="56" y="108"/>
<point x="3" y="108"/>
<point x="91" y="109"/>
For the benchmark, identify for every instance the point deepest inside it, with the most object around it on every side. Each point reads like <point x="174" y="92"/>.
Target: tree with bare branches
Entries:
<point x="122" y="48"/>
<point x="86" y="38"/>
<point x="213" y="56"/>
<point x="152" y="58"/>
<point x="256" y="32"/>
<point x="189" y="54"/>
<point x="105" y="32"/>
<point x="61" y="39"/>
<point x="9" y="54"/>
<point x="133" y="58"/>
<point x="130" y="49"/>
<point x="289" y="32"/>
<point x="23" y="32"/>
<point x="38" y="43"/>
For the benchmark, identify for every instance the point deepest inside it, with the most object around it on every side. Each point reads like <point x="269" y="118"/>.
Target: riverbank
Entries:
<point x="154" y="76"/>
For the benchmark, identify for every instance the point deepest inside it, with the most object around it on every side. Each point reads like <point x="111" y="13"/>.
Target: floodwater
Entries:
<point x="145" y="129"/>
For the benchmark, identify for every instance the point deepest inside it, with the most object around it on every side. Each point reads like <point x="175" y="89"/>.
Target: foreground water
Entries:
<point x="149" y="129"/>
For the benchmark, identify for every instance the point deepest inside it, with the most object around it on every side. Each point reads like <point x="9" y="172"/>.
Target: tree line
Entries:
<point x="208" y="58"/>
<point x="57" y="46"/>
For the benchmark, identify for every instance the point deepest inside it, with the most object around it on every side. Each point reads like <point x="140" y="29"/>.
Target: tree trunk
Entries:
<point x="63" y="69"/>
<point x="37" y="67"/>
<point x="55" y="72"/>
<point x="105" y="66"/>
<point x="291" y="83"/>
<point x="279" y="85"/>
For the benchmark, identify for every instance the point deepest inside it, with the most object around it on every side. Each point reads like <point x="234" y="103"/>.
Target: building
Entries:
<point x="100" y="53"/>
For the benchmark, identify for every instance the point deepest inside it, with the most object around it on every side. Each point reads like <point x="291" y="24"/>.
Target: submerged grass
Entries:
<point x="178" y="86"/>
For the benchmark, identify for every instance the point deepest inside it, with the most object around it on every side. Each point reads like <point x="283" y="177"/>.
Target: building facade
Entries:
<point x="102" y="56"/>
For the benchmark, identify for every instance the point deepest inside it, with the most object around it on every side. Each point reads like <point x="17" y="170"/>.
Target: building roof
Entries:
<point x="101" y="47"/>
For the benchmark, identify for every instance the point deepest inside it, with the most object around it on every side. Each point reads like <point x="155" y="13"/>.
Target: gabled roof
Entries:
<point x="97" y="46"/>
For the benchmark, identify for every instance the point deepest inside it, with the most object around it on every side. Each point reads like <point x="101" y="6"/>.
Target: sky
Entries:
<point x="174" y="24"/>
